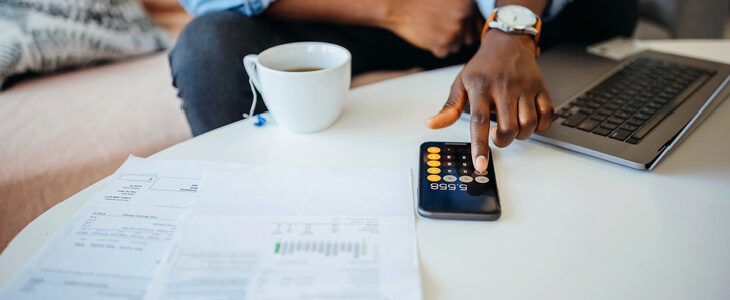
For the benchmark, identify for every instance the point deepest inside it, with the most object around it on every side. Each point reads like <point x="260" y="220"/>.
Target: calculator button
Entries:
<point x="434" y="150"/>
<point x="433" y="163"/>
<point x="450" y="171"/>
<point x="434" y="170"/>
<point x="433" y="177"/>
<point x="480" y="172"/>
<point x="464" y="157"/>
<point x="449" y="163"/>
<point x="449" y="157"/>
<point x="465" y="171"/>
<point x="465" y="164"/>
<point x="466" y="179"/>
<point x="449" y="178"/>
<point x="433" y="156"/>
<point x="481" y="179"/>
<point x="449" y="150"/>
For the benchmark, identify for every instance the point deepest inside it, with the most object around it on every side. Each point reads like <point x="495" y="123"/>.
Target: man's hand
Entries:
<point x="502" y="77"/>
<point x="441" y="27"/>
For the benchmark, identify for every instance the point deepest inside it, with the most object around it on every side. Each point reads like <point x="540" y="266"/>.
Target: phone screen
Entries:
<point x="450" y="188"/>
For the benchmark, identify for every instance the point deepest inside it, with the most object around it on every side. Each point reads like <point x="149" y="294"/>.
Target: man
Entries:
<point x="501" y="74"/>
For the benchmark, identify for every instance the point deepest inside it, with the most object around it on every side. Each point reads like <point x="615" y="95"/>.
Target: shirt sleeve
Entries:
<point x="486" y="7"/>
<point x="247" y="7"/>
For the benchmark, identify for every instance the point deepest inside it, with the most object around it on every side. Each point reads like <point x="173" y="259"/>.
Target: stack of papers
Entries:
<point x="198" y="230"/>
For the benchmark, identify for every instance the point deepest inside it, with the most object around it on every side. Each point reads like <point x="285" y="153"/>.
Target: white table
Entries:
<point x="573" y="227"/>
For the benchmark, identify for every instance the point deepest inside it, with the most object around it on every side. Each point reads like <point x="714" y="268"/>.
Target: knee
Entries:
<point x="212" y="45"/>
<point x="215" y="41"/>
<point x="593" y="21"/>
<point x="619" y="17"/>
<point x="630" y="16"/>
<point x="210" y="26"/>
<point x="216" y="34"/>
<point x="203" y="36"/>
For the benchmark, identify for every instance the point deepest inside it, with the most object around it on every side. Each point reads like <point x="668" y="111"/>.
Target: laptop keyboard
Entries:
<point x="634" y="100"/>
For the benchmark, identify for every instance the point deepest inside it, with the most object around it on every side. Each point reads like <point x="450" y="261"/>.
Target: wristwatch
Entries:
<point x="515" y="19"/>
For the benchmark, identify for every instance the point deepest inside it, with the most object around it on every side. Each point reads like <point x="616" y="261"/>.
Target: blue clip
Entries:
<point x="261" y="121"/>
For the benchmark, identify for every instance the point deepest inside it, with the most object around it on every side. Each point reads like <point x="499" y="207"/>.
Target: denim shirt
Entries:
<point x="554" y="7"/>
<point x="255" y="7"/>
<point x="247" y="7"/>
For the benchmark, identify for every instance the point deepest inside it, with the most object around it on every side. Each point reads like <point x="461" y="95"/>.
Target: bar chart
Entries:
<point x="353" y="249"/>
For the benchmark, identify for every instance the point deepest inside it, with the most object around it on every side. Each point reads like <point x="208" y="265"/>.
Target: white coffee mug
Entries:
<point x="299" y="98"/>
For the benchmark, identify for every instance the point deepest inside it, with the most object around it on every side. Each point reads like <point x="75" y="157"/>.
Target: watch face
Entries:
<point x="516" y="16"/>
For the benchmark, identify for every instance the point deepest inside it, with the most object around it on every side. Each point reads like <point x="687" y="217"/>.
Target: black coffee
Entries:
<point x="303" y="69"/>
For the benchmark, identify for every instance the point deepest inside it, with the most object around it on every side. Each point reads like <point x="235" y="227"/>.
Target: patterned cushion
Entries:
<point x="45" y="36"/>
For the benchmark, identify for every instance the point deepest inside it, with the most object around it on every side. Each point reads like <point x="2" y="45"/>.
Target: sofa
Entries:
<point x="60" y="133"/>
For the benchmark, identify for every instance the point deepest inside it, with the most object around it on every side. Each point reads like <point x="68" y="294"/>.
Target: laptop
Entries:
<point x="631" y="112"/>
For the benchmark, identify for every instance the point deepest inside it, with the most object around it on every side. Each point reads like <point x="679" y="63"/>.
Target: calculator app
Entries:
<point x="449" y="183"/>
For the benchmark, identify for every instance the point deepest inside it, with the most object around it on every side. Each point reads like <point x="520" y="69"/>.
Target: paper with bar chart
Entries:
<point x="329" y="234"/>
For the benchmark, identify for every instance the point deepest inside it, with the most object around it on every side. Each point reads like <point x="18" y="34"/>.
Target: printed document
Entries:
<point x="288" y="233"/>
<point x="197" y="230"/>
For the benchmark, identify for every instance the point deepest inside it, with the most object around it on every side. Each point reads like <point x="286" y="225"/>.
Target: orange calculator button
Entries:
<point x="433" y="163"/>
<point x="434" y="170"/>
<point x="433" y="177"/>
<point x="434" y="149"/>
<point x="433" y="156"/>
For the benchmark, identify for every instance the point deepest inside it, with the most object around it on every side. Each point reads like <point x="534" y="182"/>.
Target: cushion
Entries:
<point x="44" y="36"/>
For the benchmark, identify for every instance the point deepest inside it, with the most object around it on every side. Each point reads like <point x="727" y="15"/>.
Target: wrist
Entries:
<point x="498" y="38"/>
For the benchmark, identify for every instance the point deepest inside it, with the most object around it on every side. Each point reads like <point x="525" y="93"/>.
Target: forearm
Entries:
<point x="352" y="12"/>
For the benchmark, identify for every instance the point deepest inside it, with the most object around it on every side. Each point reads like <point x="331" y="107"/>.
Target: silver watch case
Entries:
<point x="530" y="29"/>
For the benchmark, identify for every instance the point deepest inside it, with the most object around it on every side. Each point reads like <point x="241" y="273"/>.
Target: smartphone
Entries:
<point x="450" y="188"/>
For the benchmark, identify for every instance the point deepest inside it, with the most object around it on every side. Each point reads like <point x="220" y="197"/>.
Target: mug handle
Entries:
<point x="249" y="63"/>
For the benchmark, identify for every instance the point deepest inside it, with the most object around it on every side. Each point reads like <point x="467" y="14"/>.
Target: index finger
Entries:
<point x="481" y="103"/>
